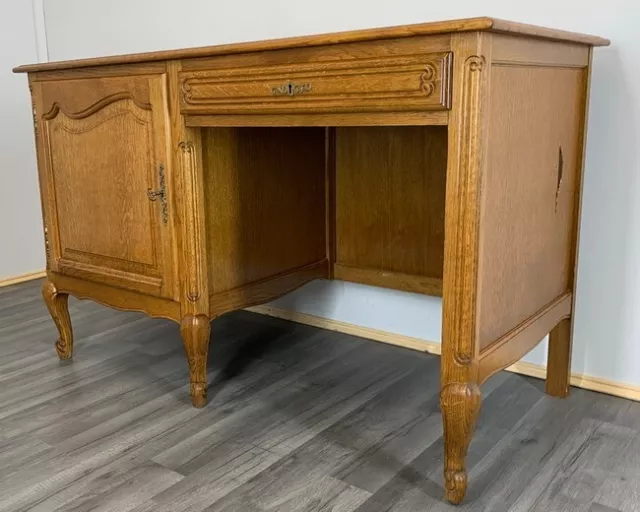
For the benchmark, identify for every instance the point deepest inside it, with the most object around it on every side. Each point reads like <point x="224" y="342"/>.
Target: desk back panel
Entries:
<point x="535" y="122"/>
<point x="390" y="193"/>
<point x="265" y="202"/>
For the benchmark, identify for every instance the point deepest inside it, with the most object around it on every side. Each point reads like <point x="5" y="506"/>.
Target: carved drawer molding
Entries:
<point x="385" y="83"/>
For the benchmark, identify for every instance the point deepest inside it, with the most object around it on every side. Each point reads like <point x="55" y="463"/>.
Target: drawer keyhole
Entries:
<point x="290" y="89"/>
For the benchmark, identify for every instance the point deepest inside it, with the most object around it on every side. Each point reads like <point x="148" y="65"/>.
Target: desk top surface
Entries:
<point x="431" y="28"/>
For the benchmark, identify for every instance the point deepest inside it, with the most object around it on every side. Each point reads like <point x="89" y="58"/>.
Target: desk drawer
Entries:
<point x="376" y="84"/>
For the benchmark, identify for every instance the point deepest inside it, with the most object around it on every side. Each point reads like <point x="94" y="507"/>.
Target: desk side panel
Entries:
<point x="530" y="189"/>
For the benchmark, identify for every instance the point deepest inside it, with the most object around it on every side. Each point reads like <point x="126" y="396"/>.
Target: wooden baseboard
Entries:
<point x="22" y="278"/>
<point x="354" y="330"/>
<point x="532" y="370"/>
<point x="579" y="380"/>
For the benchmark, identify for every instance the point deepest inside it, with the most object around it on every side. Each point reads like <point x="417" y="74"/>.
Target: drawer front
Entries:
<point x="380" y="84"/>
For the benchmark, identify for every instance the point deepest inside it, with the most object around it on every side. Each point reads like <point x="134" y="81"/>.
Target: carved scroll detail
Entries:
<point x="98" y="105"/>
<point x="428" y="79"/>
<point x="240" y="89"/>
<point x="187" y="94"/>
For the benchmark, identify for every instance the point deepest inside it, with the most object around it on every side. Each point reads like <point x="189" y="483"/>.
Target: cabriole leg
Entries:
<point x="460" y="404"/>
<point x="57" y="304"/>
<point x="195" y="331"/>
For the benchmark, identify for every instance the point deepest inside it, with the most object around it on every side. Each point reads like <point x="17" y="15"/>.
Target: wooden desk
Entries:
<point x="443" y="158"/>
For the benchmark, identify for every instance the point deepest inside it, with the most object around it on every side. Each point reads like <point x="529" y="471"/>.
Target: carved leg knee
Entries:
<point x="57" y="304"/>
<point x="460" y="404"/>
<point x="195" y="331"/>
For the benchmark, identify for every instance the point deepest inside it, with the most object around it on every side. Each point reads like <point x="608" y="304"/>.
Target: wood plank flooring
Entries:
<point x="299" y="420"/>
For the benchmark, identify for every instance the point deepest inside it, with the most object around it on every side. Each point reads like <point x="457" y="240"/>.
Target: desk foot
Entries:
<point x="559" y="360"/>
<point x="460" y="404"/>
<point x="58" y="306"/>
<point x="195" y="331"/>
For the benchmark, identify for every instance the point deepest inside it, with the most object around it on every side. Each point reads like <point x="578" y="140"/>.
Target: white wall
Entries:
<point x="607" y="320"/>
<point x="21" y="238"/>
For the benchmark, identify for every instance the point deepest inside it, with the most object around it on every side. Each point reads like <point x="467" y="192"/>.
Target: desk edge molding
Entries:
<point x="402" y="31"/>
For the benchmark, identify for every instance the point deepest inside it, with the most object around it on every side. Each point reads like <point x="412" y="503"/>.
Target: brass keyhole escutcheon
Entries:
<point x="290" y="89"/>
<point x="161" y="194"/>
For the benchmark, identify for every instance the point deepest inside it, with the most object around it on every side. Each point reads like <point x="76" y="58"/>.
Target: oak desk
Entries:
<point x="442" y="158"/>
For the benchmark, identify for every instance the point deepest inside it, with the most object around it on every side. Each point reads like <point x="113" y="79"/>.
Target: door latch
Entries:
<point x="161" y="194"/>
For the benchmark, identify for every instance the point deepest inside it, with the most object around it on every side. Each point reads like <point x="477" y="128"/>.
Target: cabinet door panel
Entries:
<point x="101" y="165"/>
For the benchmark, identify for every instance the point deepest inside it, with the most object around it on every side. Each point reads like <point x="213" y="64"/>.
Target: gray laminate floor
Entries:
<point x="299" y="420"/>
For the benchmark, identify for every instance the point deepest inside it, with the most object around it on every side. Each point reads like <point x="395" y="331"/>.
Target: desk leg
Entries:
<point x="460" y="404"/>
<point x="195" y="331"/>
<point x="559" y="360"/>
<point x="57" y="304"/>
<point x="460" y="396"/>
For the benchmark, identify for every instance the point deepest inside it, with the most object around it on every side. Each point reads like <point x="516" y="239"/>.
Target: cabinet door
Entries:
<point x="105" y="175"/>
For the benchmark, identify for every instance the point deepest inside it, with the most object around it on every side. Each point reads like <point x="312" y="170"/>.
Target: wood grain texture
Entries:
<point x="267" y="289"/>
<point x="522" y="339"/>
<point x="201" y="215"/>
<point x="43" y="176"/>
<point x="57" y="304"/>
<point x="117" y="70"/>
<point x="432" y="28"/>
<point x="460" y="396"/>
<point x="194" y="235"/>
<point x="189" y="199"/>
<point x="330" y="197"/>
<point x="86" y="165"/>
<point x="509" y="49"/>
<point x="535" y="121"/>
<point x="523" y="29"/>
<point x="81" y="98"/>
<point x="195" y="331"/>
<point x="559" y="352"/>
<point x="390" y="188"/>
<point x="118" y="298"/>
<point x="293" y="58"/>
<point x="265" y="202"/>
<point x="425" y="118"/>
<point x="559" y="364"/>
<point x="460" y="404"/>
<point x="299" y="82"/>
<point x="386" y="279"/>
